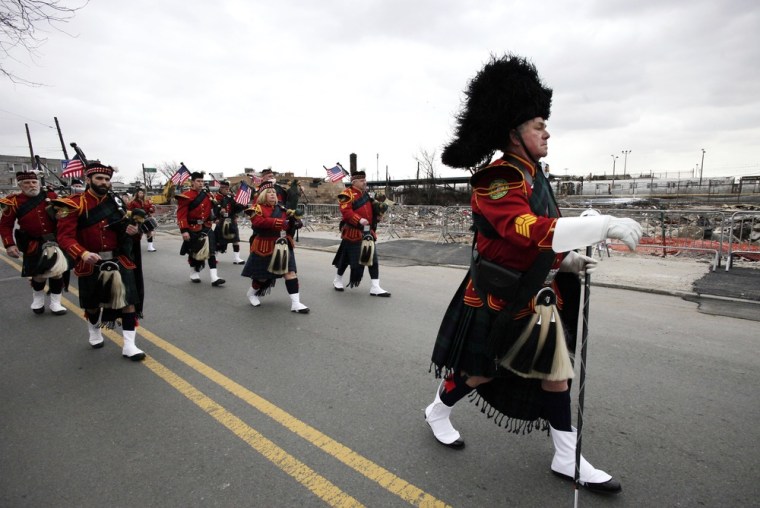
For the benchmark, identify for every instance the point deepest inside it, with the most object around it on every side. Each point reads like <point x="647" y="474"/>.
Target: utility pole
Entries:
<point x="701" y="168"/>
<point x="614" y="160"/>
<point x="29" y="139"/>
<point x="60" y="136"/>
<point x="625" y="160"/>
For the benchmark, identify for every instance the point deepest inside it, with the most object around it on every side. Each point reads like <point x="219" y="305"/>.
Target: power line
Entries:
<point x="27" y="118"/>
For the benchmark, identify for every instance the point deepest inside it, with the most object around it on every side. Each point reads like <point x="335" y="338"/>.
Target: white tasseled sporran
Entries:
<point x="110" y="278"/>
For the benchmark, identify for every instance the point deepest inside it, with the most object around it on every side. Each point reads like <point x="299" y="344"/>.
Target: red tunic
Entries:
<point x="501" y="195"/>
<point x="146" y="205"/>
<point x="35" y="223"/>
<point x="352" y="230"/>
<point x="196" y="219"/>
<point x="267" y="229"/>
<point x="75" y="241"/>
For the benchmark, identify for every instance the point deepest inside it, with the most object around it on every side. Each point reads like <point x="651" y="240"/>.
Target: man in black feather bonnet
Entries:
<point x="510" y="329"/>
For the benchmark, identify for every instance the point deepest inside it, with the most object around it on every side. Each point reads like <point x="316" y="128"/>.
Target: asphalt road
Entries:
<point x="241" y="406"/>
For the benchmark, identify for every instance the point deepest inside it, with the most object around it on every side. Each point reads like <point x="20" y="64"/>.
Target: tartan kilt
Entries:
<point x="462" y="345"/>
<point x="89" y="288"/>
<point x="348" y="255"/>
<point x="256" y="267"/>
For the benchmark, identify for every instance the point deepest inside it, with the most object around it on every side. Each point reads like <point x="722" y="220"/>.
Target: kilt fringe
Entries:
<point x="513" y="425"/>
<point x="265" y="287"/>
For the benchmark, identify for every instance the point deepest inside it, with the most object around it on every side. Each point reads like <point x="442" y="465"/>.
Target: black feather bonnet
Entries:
<point x="504" y="94"/>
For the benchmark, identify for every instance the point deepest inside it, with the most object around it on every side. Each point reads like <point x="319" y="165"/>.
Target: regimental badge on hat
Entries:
<point x="506" y="93"/>
<point x="26" y="175"/>
<point x="96" y="167"/>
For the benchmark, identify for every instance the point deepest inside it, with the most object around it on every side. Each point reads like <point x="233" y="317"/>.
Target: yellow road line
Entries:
<point x="317" y="484"/>
<point x="360" y="464"/>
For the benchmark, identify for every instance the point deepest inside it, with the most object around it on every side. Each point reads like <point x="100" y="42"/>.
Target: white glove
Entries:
<point x="577" y="263"/>
<point x="626" y="230"/>
<point x="578" y="232"/>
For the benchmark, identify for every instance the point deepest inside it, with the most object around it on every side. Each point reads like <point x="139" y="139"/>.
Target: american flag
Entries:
<point x="336" y="173"/>
<point x="72" y="168"/>
<point x="181" y="175"/>
<point x="243" y="195"/>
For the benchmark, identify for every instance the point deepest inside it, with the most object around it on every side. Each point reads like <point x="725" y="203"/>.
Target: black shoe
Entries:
<point x="381" y="295"/>
<point x="611" y="486"/>
<point x="135" y="358"/>
<point x="238" y="262"/>
<point x="98" y="345"/>
<point x="39" y="311"/>
<point x="456" y="445"/>
<point x="218" y="282"/>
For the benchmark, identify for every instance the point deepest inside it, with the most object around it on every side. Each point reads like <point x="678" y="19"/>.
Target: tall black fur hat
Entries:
<point x="197" y="174"/>
<point x="504" y="94"/>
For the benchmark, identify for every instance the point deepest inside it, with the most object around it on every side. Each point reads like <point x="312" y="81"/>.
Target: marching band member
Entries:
<point x="227" y="227"/>
<point x="271" y="255"/>
<point x="503" y="332"/>
<point x="195" y="216"/>
<point x="94" y="231"/>
<point x="358" y="234"/>
<point x="36" y="227"/>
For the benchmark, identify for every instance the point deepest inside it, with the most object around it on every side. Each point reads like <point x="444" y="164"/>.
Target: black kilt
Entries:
<point x="29" y="264"/>
<point x="462" y="345"/>
<point x="221" y="241"/>
<point x="186" y="247"/>
<point x="30" y="261"/>
<point x="256" y="266"/>
<point x="89" y="288"/>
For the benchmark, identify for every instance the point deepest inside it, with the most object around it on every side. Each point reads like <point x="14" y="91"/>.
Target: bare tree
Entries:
<point x="427" y="162"/>
<point x="149" y="179"/>
<point x="21" y="23"/>
<point x="168" y="169"/>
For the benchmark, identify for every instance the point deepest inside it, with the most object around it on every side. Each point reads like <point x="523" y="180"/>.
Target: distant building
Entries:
<point x="9" y="164"/>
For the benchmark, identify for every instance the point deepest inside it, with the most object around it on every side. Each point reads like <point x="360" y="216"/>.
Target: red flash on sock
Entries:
<point x="449" y="384"/>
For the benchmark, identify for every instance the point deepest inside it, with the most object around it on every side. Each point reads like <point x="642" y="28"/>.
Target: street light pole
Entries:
<point x="625" y="160"/>
<point x="701" y="167"/>
<point x="614" y="160"/>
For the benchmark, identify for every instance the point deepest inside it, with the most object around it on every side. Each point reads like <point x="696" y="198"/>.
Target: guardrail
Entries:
<point x="741" y="229"/>
<point x="670" y="232"/>
<point x="722" y="235"/>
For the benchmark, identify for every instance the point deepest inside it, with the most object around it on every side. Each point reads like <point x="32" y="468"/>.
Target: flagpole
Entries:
<point x="145" y="182"/>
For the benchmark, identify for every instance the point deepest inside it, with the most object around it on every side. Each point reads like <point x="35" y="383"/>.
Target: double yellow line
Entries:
<point x="316" y="483"/>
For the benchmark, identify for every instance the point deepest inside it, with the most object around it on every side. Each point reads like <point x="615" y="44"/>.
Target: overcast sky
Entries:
<point x="296" y="85"/>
